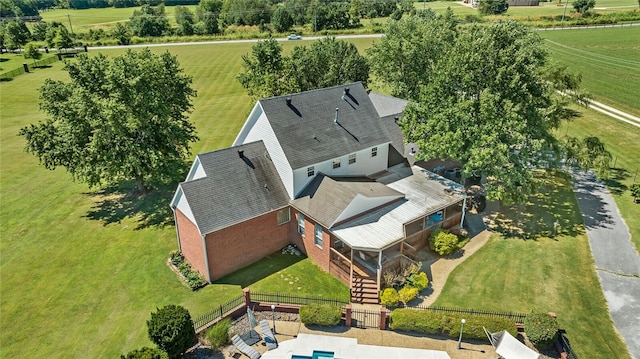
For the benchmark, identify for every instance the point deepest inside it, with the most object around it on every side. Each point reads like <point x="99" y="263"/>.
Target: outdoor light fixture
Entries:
<point x="273" y="316"/>
<point x="460" y="339"/>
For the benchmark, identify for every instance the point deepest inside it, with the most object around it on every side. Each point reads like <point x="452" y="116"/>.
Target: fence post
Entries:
<point x="382" y="325"/>
<point x="347" y="315"/>
<point x="59" y="56"/>
<point x="246" y="294"/>
<point x="26" y="67"/>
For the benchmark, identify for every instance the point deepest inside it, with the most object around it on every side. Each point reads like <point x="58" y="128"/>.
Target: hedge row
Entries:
<point x="326" y="315"/>
<point x="426" y="321"/>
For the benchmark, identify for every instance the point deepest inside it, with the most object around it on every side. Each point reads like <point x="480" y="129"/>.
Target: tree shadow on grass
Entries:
<point x="551" y="212"/>
<point x="115" y="203"/>
<point x="614" y="183"/>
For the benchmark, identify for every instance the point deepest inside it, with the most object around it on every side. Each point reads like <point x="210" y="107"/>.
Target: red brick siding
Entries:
<point x="239" y="245"/>
<point x="191" y="243"/>
<point x="306" y="242"/>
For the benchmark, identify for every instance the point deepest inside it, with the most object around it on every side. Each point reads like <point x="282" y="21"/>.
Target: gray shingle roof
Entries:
<point x="306" y="130"/>
<point x="325" y="198"/>
<point x="387" y="105"/>
<point x="235" y="189"/>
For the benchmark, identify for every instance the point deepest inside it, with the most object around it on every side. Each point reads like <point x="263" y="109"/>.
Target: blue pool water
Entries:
<point x="317" y="354"/>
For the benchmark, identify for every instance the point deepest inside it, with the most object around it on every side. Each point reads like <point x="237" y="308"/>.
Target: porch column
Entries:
<point x="379" y="270"/>
<point x="351" y="271"/>
<point x="464" y="209"/>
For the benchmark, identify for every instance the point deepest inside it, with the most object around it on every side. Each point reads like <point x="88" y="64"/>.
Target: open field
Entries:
<point x="607" y="58"/>
<point x="541" y="273"/>
<point x="85" y="19"/>
<point x="90" y="272"/>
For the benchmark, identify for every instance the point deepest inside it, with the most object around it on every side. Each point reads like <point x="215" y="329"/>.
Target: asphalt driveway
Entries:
<point x="617" y="262"/>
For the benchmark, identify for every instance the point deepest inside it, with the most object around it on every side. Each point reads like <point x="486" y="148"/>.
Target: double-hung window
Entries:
<point x="300" y="223"/>
<point x="284" y="216"/>
<point x="336" y="163"/>
<point x="310" y="171"/>
<point x="374" y="151"/>
<point x="352" y="158"/>
<point x="318" y="236"/>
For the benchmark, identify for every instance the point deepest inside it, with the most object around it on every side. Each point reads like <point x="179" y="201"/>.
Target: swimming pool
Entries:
<point x="317" y="354"/>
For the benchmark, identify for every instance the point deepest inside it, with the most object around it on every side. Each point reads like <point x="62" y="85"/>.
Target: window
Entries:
<point x="284" y="216"/>
<point x="310" y="171"/>
<point x="352" y="158"/>
<point x="374" y="151"/>
<point x="336" y="163"/>
<point x="318" y="237"/>
<point x="300" y="224"/>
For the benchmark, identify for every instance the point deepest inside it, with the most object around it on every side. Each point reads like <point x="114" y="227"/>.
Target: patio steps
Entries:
<point x="364" y="290"/>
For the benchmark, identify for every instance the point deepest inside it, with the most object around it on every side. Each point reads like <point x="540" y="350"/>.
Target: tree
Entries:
<point x="184" y="18"/>
<point x="493" y="7"/>
<point x="404" y="58"/>
<point x="588" y="153"/>
<point x="281" y="20"/>
<point x="583" y="6"/>
<point x="121" y="33"/>
<point x="635" y="192"/>
<point x="207" y="14"/>
<point x="490" y="106"/>
<point x="120" y="119"/>
<point x="145" y="353"/>
<point x="63" y="39"/>
<point x="16" y="34"/>
<point x="149" y="21"/>
<point x="39" y="31"/>
<point x="171" y="328"/>
<point x="328" y="62"/>
<point x="31" y="51"/>
<point x="246" y="12"/>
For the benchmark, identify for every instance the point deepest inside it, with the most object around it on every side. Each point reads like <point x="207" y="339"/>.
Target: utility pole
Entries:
<point x="70" y="27"/>
<point x="566" y="3"/>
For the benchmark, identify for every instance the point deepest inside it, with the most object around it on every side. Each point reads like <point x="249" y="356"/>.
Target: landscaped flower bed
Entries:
<point x="189" y="276"/>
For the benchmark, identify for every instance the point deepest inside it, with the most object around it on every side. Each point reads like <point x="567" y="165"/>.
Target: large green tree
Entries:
<point x="491" y="105"/>
<point x="493" y="7"/>
<point x="327" y="62"/>
<point x="171" y="328"/>
<point x="15" y="33"/>
<point x="149" y="21"/>
<point x="583" y="6"/>
<point x="120" y="119"/>
<point x="207" y="13"/>
<point x="405" y="56"/>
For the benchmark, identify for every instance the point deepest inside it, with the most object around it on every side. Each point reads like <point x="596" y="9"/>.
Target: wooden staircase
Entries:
<point x="364" y="289"/>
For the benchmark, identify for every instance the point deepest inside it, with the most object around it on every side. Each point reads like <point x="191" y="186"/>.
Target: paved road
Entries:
<point x="617" y="262"/>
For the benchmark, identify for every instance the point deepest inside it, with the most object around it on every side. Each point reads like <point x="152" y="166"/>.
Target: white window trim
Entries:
<point x="315" y="236"/>
<point x="311" y="171"/>
<point x="301" y="221"/>
<point x="374" y="151"/>
<point x="287" y="216"/>
<point x="352" y="158"/>
<point x="336" y="164"/>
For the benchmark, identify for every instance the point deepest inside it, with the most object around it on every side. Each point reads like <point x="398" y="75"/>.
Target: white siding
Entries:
<point x="362" y="204"/>
<point x="196" y="171"/>
<point x="183" y="205"/>
<point x="257" y="128"/>
<point x="364" y="165"/>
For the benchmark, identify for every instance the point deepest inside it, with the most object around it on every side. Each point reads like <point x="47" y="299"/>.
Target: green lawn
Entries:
<point x="623" y="141"/>
<point x="607" y="59"/>
<point x="543" y="274"/>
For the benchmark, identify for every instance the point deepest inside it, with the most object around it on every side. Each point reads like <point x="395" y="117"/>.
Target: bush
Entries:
<point x="541" y="329"/>
<point x="635" y="192"/>
<point x="431" y="322"/>
<point x="218" y="335"/>
<point x="171" y="328"/>
<point x="389" y="297"/>
<point x="443" y="242"/>
<point x="325" y="315"/>
<point x="407" y="294"/>
<point x="145" y="353"/>
<point x="193" y="279"/>
<point x="418" y="281"/>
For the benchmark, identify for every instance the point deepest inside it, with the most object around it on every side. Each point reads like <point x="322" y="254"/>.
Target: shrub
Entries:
<point x="389" y="297"/>
<point x="325" y="315"/>
<point x="541" y="329"/>
<point x="145" y="353"/>
<point x="176" y="258"/>
<point x="635" y="192"/>
<point x="171" y="328"/>
<point x="218" y="335"/>
<point x="407" y="294"/>
<point x="418" y="281"/>
<point x="431" y="322"/>
<point x="443" y="242"/>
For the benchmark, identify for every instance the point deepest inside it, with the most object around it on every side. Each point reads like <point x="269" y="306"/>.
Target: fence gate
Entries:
<point x="365" y="318"/>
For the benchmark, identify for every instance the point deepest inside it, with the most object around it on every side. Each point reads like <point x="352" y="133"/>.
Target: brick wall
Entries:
<point x="319" y="255"/>
<point x="190" y="242"/>
<point x="239" y="245"/>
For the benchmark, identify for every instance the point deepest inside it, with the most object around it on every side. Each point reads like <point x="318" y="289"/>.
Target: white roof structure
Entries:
<point x="346" y="348"/>
<point x="511" y="348"/>
<point x="424" y="193"/>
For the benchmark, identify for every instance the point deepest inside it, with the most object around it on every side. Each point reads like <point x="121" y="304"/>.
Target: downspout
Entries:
<point x="206" y="257"/>
<point x="175" y="220"/>
<point x="464" y="209"/>
<point x="379" y="270"/>
<point x="351" y="272"/>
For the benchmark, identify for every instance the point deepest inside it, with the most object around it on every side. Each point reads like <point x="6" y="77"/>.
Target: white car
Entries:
<point x="294" y="37"/>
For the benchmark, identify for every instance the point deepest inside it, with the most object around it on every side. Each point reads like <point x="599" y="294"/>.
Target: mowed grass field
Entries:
<point x="607" y="58"/>
<point x="542" y="274"/>
<point x="76" y="285"/>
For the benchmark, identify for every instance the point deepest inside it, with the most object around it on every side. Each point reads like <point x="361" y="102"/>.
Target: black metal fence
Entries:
<point x="564" y="343"/>
<point x="365" y="319"/>
<point x="5" y="76"/>
<point x="294" y="299"/>
<point x="516" y="317"/>
<point x="218" y="312"/>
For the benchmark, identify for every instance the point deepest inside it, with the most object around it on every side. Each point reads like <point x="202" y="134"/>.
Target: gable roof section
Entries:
<point x="325" y="199"/>
<point x="306" y="130"/>
<point x="235" y="188"/>
<point x="387" y="105"/>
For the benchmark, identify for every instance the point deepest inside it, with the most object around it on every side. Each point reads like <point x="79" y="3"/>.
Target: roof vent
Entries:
<point x="241" y="153"/>
<point x="395" y="119"/>
<point x="288" y="101"/>
<point x="266" y="187"/>
<point x="335" y="120"/>
<point x="346" y="90"/>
